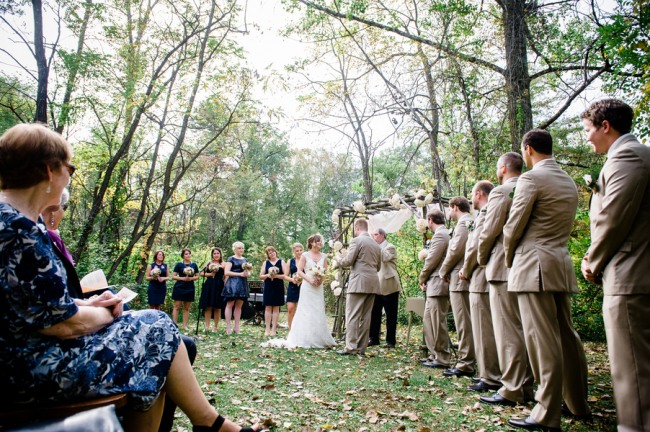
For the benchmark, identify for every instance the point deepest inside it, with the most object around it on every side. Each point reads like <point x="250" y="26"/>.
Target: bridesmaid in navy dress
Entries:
<point x="293" y="290"/>
<point x="235" y="291"/>
<point x="272" y="273"/>
<point x="211" y="301"/>
<point x="185" y="273"/>
<point x="157" y="290"/>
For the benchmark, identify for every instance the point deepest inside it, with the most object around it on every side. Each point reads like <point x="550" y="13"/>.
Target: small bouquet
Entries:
<point x="155" y="272"/>
<point x="297" y="278"/>
<point x="273" y="271"/>
<point x="317" y="271"/>
<point x="421" y="225"/>
<point x="247" y="266"/>
<point x="213" y="267"/>
<point x="188" y="271"/>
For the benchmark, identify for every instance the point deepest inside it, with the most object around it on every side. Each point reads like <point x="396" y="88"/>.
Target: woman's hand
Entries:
<point x="108" y="300"/>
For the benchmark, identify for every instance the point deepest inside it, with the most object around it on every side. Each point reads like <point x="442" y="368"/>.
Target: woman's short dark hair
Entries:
<point x="185" y="250"/>
<point x="26" y="151"/>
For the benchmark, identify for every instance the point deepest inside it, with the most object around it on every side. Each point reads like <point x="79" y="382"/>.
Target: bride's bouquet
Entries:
<point x="274" y="271"/>
<point x="317" y="271"/>
<point x="188" y="271"/>
<point x="155" y="272"/>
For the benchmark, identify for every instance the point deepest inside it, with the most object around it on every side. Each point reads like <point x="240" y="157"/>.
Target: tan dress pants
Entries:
<point x="516" y="375"/>
<point x="462" y="317"/>
<point x="436" y="333"/>
<point x="358" y="308"/>
<point x="556" y="355"/>
<point x="484" y="343"/>
<point x="627" y="325"/>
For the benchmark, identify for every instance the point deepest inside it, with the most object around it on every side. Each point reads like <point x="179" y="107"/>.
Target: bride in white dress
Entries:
<point x="309" y="328"/>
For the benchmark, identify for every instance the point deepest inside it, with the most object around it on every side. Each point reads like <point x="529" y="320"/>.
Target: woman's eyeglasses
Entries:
<point x="71" y="168"/>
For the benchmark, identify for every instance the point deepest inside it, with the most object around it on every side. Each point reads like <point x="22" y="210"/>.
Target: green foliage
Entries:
<point x="627" y="47"/>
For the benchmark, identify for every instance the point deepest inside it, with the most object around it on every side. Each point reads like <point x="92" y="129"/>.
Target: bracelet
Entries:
<point x="218" y="422"/>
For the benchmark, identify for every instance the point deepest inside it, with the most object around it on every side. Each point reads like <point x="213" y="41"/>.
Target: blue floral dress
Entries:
<point x="131" y="355"/>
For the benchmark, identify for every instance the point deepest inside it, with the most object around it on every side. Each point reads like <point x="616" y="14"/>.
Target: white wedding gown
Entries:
<point x="309" y="328"/>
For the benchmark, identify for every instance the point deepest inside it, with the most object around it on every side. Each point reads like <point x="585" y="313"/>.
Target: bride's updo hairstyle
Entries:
<point x="313" y="239"/>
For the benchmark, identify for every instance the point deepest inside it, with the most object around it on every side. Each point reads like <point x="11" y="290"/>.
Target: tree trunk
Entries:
<point x="41" y="63"/>
<point x="520" y="113"/>
<point x="64" y="115"/>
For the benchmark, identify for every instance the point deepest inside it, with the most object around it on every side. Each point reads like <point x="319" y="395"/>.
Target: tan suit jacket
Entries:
<point x="620" y="237"/>
<point x="436" y="286"/>
<point x="537" y="232"/>
<point x="471" y="269"/>
<point x="364" y="260"/>
<point x="490" y="244"/>
<point x="455" y="256"/>
<point x="388" y="276"/>
<point x="620" y="220"/>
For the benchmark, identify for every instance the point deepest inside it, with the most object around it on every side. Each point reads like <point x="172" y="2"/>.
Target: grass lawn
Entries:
<point x="313" y="390"/>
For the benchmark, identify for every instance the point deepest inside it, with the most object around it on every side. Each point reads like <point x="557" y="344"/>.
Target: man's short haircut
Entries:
<point x="461" y="202"/>
<point x="436" y="216"/>
<point x="361" y="223"/>
<point x="381" y="231"/>
<point x="513" y="162"/>
<point x="618" y="114"/>
<point x="485" y="187"/>
<point x="540" y="140"/>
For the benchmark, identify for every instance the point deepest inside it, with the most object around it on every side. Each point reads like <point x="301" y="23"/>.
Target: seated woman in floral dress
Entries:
<point x="55" y="348"/>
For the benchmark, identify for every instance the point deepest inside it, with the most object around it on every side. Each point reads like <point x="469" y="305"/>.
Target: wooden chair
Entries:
<point x="413" y="304"/>
<point x="14" y="416"/>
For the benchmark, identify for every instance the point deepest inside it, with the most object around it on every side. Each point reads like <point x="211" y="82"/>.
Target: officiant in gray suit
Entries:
<point x="389" y="285"/>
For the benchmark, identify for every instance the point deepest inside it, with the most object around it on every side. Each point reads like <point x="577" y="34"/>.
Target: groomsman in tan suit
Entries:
<point x="485" y="346"/>
<point x="516" y="375"/>
<point x="459" y="288"/>
<point x="436" y="335"/>
<point x="390" y="287"/>
<point x="364" y="258"/>
<point x="619" y="256"/>
<point x="536" y="244"/>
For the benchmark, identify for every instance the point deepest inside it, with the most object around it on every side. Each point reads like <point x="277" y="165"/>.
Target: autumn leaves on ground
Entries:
<point x="314" y="390"/>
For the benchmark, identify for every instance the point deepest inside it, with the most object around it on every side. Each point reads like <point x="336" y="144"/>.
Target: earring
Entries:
<point x="49" y="188"/>
<point x="52" y="220"/>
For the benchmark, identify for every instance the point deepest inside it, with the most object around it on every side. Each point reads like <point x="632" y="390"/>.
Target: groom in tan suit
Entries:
<point x="541" y="274"/>
<point x="619" y="256"/>
<point x="364" y="259"/>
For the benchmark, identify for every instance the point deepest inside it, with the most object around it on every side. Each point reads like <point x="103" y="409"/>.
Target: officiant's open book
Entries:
<point x="96" y="281"/>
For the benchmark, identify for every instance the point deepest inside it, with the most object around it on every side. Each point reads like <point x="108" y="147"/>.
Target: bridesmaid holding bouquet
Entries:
<point x="185" y="273"/>
<point x="157" y="277"/>
<point x="212" y="301"/>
